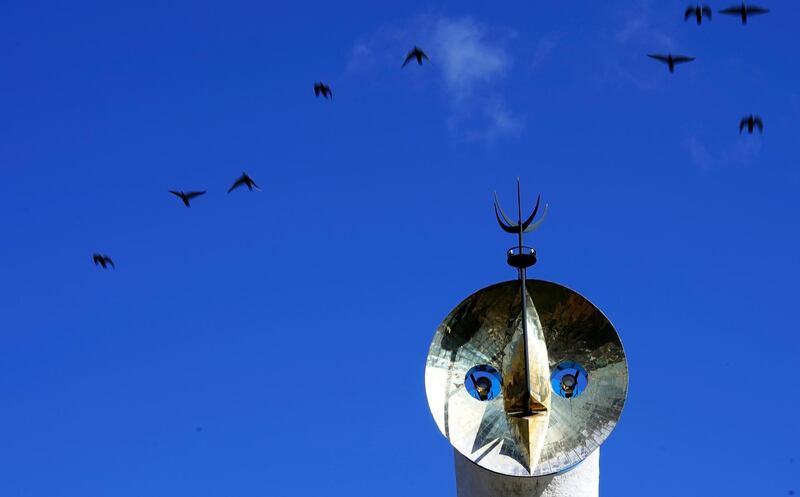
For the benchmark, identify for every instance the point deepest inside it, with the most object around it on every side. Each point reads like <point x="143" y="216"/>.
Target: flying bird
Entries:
<point x="245" y="180"/>
<point x="103" y="260"/>
<point x="751" y="122"/>
<point x="743" y="11"/>
<point x="322" y="89"/>
<point x="186" y="197"/>
<point x="698" y="11"/>
<point x="415" y="53"/>
<point x="671" y="60"/>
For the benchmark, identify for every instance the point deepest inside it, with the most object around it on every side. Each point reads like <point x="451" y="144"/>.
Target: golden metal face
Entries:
<point x="526" y="431"/>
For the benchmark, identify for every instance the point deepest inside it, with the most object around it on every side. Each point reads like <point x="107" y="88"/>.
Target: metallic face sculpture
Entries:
<point x="502" y="415"/>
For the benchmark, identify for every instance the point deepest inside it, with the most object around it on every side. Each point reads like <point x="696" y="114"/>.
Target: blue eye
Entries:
<point x="483" y="382"/>
<point x="569" y="379"/>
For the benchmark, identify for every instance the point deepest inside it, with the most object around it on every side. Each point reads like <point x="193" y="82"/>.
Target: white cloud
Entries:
<point x="467" y="57"/>
<point x="502" y="122"/>
<point x="470" y="59"/>
<point x="473" y="63"/>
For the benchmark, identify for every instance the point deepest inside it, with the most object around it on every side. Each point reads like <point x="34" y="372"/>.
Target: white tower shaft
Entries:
<point x="581" y="481"/>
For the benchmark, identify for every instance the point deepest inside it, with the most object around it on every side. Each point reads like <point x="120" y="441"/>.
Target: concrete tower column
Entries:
<point x="581" y="481"/>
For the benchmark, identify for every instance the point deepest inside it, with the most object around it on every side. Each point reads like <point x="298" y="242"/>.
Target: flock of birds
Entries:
<point x="700" y="12"/>
<point x="104" y="261"/>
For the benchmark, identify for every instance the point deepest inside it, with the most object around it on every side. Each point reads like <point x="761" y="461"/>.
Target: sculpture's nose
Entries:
<point x="527" y="409"/>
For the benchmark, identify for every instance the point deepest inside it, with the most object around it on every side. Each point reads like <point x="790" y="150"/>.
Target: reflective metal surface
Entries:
<point x="525" y="430"/>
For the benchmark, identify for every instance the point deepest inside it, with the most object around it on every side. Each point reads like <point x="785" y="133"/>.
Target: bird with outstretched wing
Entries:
<point x="187" y="196"/>
<point x="744" y="11"/>
<point x="244" y="180"/>
<point x="671" y="60"/>
<point x="415" y="53"/>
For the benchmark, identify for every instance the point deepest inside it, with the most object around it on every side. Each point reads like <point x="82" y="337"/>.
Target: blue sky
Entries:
<point x="273" y="343"/>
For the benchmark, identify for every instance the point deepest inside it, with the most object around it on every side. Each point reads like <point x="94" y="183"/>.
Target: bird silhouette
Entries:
<point x="415" y="53"/>
<point x="698" y="11"/>
<point x="186" y="197"/>
<point x="743" y="11"/>
<point x="671" y="60"/>
<point x="751" y="122"/>
<point x="103" y="260"/>
<point x="245" y="180"/>
<point x="322" y="89"/>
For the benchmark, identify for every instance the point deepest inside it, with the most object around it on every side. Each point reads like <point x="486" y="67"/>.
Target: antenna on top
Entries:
<point x="520" y="257"/>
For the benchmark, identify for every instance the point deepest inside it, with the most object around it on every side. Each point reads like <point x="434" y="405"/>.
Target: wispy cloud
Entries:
<point x="467" y="56"/>
<point x="639" y="32"/>
<point x="473" y="63"/>
<point x="471" y="60"/>
<point x="501" y="121"/>
<point x="744" y="151"/>
<point x="638" y="28"/>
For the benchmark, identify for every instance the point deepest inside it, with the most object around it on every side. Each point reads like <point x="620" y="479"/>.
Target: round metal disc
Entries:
<point x="484" y="329"/>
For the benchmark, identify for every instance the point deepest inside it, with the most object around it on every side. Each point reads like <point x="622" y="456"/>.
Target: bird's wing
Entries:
<point x="96" y="259"/>
<point x="658" y="56"/>
<point x="753" y="9"/>
<point x="688" y="13"/>
<point x="236" y="184"/>
<point x="680" y="59"/>
<point x="108" y="259"/>
<point x="759" y="123"/>
<point x="707" y="11"/>
<point x="177" y="194"/>
<point x="316" y="90"/>
<point x="424" y="55"/>
<point x="409" y="57"/>
<point x="191" y="195"/>
<point x="330" y="92"/>
<point x="736" y="11"/>
<point x="742" y="124"/>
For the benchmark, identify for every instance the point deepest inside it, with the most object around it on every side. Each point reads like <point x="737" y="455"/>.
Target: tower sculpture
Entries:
<point x="526" y="379"/>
